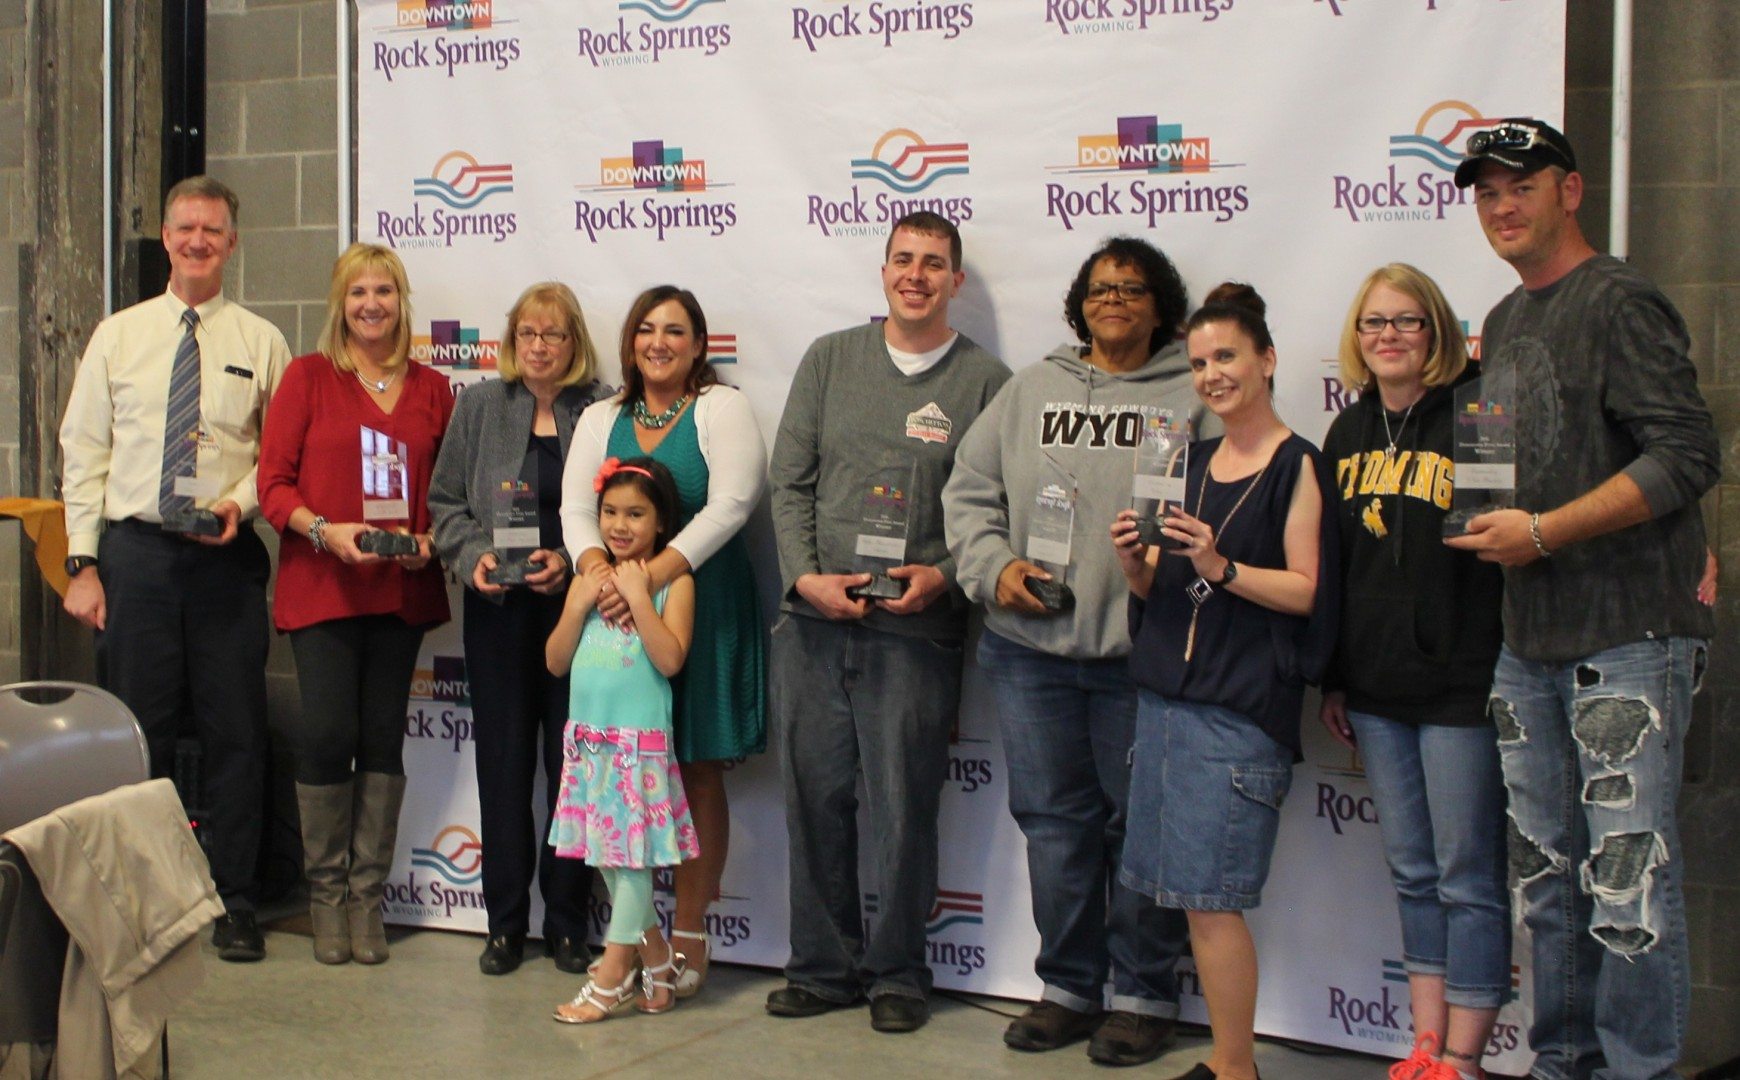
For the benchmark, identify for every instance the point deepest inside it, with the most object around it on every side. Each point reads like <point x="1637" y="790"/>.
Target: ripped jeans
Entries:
<point x="1592" y="753"/>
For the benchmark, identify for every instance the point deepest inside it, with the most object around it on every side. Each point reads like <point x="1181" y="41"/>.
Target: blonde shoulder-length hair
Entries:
<point x="1449" y="353"/>
<point x="357" y="260"/>
<point x="556" y="301"/>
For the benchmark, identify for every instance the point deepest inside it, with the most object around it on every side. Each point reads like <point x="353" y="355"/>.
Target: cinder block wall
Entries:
<point x="1685" y="218"/>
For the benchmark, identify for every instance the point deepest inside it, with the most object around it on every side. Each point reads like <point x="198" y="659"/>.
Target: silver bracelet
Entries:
<point x="1535" y="535"/>
<point x="314" y="529"/>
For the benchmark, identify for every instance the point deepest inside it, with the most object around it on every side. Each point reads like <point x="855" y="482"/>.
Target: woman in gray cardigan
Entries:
<point x="495" y="495"/>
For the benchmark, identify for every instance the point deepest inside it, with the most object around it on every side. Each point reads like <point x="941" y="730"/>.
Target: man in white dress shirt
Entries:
<point x="163" y="423"/>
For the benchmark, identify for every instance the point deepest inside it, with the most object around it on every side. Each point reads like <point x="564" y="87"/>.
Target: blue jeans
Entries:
<point x="1068" y="726"/>
<point x="848" y="700"/>
<point x="1440" y="802"/>
<point x="1592" y="754"/>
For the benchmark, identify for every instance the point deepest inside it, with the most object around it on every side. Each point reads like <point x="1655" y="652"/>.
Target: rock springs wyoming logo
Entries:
<point x="445" y="205"/>
<point x="648" y="31"/>
<point x="443" y="879"/>
<point x="1079" y="17"/>
<point x="1144" y="171"/>
<point x="900" y="169"/>
<point x="827" y="22"/>
<point x="673" y="187"/>
<point x="443" y="35"/>
<point x="1418" y="185"/>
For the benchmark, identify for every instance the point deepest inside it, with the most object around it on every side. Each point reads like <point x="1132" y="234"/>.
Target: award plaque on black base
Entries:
<point x="881" y="543"/>
<point x="515" y="532"/>
<point x="1484" y="449"/>
<point x="1050" y="532"/>
<point x="193" y="523"/>
<point x="386" y="544"/>
<point x="1162" y="460"/>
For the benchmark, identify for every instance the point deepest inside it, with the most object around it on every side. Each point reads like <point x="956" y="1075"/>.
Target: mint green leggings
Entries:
<point x="631" y="904"/>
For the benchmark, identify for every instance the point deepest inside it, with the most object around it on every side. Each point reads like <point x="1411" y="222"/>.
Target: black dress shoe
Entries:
<point x="793" y="1000"/>
<point x="1128" y="1038"/>
<point x="237" y="938"/>
<point x="893" y="1013"/>
<point x="502" y="953"/>
<point x="570" y="954"/>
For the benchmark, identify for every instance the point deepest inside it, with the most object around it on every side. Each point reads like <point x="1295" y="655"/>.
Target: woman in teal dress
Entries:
<point x="674" y="409"/>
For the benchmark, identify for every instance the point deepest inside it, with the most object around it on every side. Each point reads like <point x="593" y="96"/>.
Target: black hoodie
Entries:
<point x="1420" y="622"/>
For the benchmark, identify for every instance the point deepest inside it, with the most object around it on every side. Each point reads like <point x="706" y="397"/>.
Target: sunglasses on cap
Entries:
<point x="1516" y="138"/>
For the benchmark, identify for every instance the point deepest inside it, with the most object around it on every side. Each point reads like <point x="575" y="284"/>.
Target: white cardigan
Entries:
<point x="736" y="459"/>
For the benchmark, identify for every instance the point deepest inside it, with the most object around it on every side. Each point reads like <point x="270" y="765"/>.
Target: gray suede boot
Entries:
<point x="376" y="830"/>
<point x="326" y="828"/>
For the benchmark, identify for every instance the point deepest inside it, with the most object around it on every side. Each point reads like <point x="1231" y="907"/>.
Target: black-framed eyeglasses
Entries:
<point x="1404" y="324"/>
<point x="1127" y="290"/>
<point x="525" y="335"/>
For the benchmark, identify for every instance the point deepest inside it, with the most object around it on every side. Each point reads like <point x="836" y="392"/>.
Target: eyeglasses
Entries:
<point x="553" y="338"/>
<point x="1514" y="137"/>
<point x="1130" y="291"/>
<point x="1404" y="324"/>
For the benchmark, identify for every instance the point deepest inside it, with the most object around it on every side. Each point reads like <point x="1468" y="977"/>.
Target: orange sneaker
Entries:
<point x="1443" y="1070"/>
<point x="1419" y="1065"/>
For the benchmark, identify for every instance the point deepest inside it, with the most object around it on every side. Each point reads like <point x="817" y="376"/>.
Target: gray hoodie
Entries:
<point x="1060" y="417"/>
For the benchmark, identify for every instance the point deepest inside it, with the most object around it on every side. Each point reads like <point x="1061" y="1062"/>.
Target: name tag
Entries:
<point x="242" y="371"/>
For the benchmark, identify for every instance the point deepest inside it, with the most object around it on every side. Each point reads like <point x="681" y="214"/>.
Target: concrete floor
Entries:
<point x="428" y="1012"/>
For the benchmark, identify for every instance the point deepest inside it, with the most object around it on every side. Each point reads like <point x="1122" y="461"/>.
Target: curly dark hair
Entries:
<point x="1171" y="300"/>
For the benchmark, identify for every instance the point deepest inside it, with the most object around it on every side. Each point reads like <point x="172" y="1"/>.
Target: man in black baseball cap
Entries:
<point x="1521" y="144"/>
<point x="1605" y="637"/>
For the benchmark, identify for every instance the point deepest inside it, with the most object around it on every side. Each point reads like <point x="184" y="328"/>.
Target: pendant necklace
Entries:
<point x="1390" y="451"/>
<point x="378" y="386"/>
<point x="648" y="419"/>
<point x="1200" y="590"/>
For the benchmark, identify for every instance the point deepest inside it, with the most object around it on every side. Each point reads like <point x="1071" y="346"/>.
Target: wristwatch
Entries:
<point x="75" y="563"/>
<point x="1232" y="571"/>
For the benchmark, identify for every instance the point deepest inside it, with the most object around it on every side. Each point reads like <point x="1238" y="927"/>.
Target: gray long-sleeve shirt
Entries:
<point x="852" y="417"/>
<point x="1605" y="385"/>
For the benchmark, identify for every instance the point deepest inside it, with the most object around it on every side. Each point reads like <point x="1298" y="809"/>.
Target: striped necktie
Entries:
<point x="181" y="420"/>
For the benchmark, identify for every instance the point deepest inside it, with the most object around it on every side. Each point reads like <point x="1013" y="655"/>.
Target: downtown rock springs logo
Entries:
<point x="1079" y="17"/>
<point x="444" y="36"/>
<point x="821" y="24"/>
<point x="896" y="179"/>
<point x="452" y="347"/>
<point x="1144" y="173"/>
<point x="650" y="31"/>
<point x="1418" y="183"/>
<point x="657" y="190"/>
<point x="462" y="199"/>
<point x="440" y="705"/>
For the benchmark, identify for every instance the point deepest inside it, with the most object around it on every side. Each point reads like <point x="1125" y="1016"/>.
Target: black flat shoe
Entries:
<point x="237" y="938"/>
<point x="570" y="954"/>
<point x="502" y="953"/>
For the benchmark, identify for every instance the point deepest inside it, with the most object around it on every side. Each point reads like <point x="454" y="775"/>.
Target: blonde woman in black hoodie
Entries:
<point x="1420" y="636"/>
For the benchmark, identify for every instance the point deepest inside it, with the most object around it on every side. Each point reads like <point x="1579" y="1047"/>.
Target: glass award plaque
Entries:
<point x="1483" y="446"/>
<point x="1050" y="531"/>
<point x="514" y="532"/>
<point x="180" y="510"/>
<point x="1162" y="459"/>
<point x="386" y="486"/>
<point x="881" y="542"/>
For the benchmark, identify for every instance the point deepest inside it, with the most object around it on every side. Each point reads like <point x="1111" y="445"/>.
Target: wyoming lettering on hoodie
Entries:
<point x="1061" y="417"/>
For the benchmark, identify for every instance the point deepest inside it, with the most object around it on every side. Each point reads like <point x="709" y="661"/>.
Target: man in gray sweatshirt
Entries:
<point x="865" y="686"/>
<point x="1604" y="635"/>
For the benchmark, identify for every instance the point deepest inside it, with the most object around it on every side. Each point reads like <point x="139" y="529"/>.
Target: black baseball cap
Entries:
<point x="1521" y="143"/>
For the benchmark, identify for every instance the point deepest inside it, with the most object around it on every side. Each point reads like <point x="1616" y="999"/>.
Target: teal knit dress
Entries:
<point x="720" y="711"/>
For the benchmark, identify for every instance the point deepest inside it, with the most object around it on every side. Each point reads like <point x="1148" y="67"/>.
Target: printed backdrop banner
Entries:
<point x="756" y="151"/>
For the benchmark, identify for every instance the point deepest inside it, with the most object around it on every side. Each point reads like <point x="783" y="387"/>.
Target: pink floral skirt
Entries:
<point x="621" y="803"/>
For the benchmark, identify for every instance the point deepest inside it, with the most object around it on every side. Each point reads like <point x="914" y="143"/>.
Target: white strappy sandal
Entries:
<point x="650" y="984"/>
<point x="690" y="981"/>
<point x="606" y="1000"/>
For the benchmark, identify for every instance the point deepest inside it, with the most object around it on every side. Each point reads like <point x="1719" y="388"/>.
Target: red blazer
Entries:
<point x="310" y="455"/>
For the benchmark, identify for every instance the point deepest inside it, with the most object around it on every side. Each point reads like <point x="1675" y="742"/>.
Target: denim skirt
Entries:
<point x="1206" y="786"/>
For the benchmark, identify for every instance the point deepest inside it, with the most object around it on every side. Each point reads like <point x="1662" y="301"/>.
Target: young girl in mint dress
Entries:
<point x="621" y="805"/>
